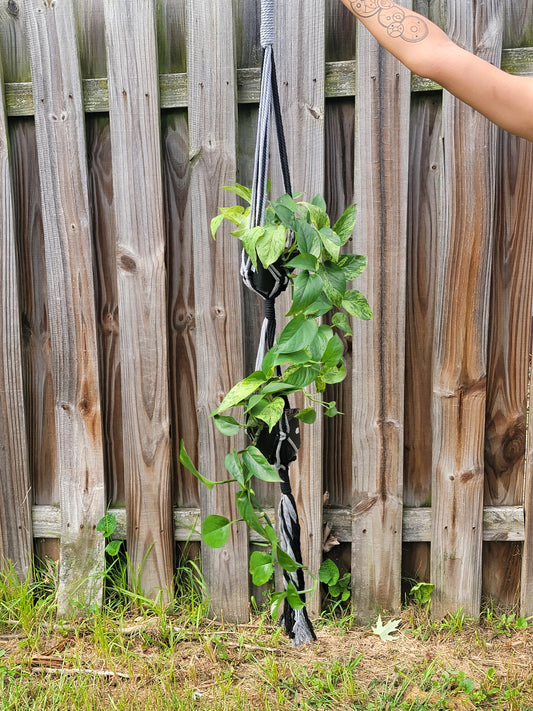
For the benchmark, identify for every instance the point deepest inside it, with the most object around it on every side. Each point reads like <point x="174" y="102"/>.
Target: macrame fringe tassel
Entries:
<point x="297" y="624"/>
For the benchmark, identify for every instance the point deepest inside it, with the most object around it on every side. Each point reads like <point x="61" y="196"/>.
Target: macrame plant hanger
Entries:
<point x="280" y="446"/>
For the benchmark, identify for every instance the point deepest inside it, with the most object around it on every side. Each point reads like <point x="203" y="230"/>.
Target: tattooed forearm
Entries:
<point x="397" y="22"/>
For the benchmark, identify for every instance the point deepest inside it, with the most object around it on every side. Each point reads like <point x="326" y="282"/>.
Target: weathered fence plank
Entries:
<point x="217" y="288"/>
<point x="508" y="356"/>
<point x="59" y="122"/>
<point x="425" y="212"/>
<point x="518" y="23"/>
<point x="338" y="192"/>
<point x="172" y="44"/>
<point x="502" y="524"/>
<point x="36" y="348"/>
<point x="16" y="540"/>
<point x="460" y="365"/>
<point x="103" y="228"/>
<point x="142" y="296"/>
<point x="516" y="162"/>
<point x="381" y="162"/>
<point x="91" y="43"/>
<point x="340" y="80"/>
<point x="301" y="77"/>
<point x="182" y="342"/>
<point x="14" y="49"/>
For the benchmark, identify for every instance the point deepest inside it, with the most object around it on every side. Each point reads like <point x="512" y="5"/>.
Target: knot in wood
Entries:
<point x="128" y="263"/>
<point x="109" y="323"/>
<point x="84" y="406"/>
<point x="365" y="505"/>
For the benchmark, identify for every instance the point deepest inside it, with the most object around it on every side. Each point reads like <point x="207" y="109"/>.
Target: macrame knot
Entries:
<point x="270" y="309"/>
<point x="267" y="23"/>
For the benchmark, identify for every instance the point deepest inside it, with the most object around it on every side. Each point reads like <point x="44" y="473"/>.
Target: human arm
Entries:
<point x="425" y="49"/>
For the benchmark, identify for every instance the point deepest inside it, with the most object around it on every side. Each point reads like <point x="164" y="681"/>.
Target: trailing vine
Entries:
<point x="307" y="356"/>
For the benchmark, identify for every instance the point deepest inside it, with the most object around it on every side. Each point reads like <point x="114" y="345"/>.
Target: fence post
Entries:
<point x="59" y="122"/>
<point x="16" y="543"/>
<point x="134" y="115"/>
<point x="217" y="286"/>
<point x="460" y="365"/>
<point x="381" y="173"/>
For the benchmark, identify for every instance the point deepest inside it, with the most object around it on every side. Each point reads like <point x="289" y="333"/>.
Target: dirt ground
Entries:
<point x="259" y="660"/>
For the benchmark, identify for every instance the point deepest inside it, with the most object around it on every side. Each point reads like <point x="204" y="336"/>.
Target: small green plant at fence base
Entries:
<point x="421" y="593"/>
<point x="307" y="357"/>
<point x="107" y="526"/>
<point x="338" y="587"/>
<point x="505" y="623"/>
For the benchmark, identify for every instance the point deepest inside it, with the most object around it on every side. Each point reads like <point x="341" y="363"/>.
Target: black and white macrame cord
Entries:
<point x="280" y="446"/>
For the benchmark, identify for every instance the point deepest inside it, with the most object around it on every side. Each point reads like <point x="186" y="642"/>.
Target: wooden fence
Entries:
<point x="122" y="323"/>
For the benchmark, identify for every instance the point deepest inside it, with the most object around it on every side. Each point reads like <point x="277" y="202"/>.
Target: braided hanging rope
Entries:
<point x="280" y="446"/>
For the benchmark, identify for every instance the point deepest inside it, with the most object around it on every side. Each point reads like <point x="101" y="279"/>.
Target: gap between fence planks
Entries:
<point x="460" y="365"/>
<point x="217" y="285"/>
<point x="381" y="177"/>
<point x="16" y="540"/>
<point x="142" y="295"/>
<point x="59" y="121"/>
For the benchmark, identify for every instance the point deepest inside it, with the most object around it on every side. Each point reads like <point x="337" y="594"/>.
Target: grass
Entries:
<point x="135" y="655"/>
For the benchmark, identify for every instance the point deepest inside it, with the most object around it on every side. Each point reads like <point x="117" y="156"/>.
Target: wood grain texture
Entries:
<point x="91" y="38"/>
<point x="16" y="544"/>
<point x="508" y="356"/>
<point x="338" y="193"/>
<point x="142" y="293"/>
<point x="425" y="214"/>
<point x="517" y="23"/>
<point x="339" y="82"/>
<point x="181" y="309"/>
<point x="103" y="229"/>
<point x="460" y="365"/>
<point x="301" y="78"/>
<point x="172" y="43"/>
<point x="341" y="27"/>
<point x="381" y="172"/>
<point x="217" y="288"/>
<point x="500" y="523"/>
<point x="171" y="36"/>
<point x="425" y="211"/>
<point x="36" y="346"/>
<point x="248" y="51"/>
<point x="516" y="169"/>
<point x="14" y="49"/>
<point x="60" y="133"/>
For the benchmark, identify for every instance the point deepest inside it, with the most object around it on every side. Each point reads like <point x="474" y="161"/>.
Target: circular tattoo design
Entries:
<point x="393" y="17"/>
<point x="415" y="29"/>
<point x="366" y="8"/>
<point x="395" y="29"/>
<point x="388" y="17"/>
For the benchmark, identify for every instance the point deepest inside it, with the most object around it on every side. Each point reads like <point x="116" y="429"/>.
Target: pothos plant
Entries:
<point x="305" y="359"/>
